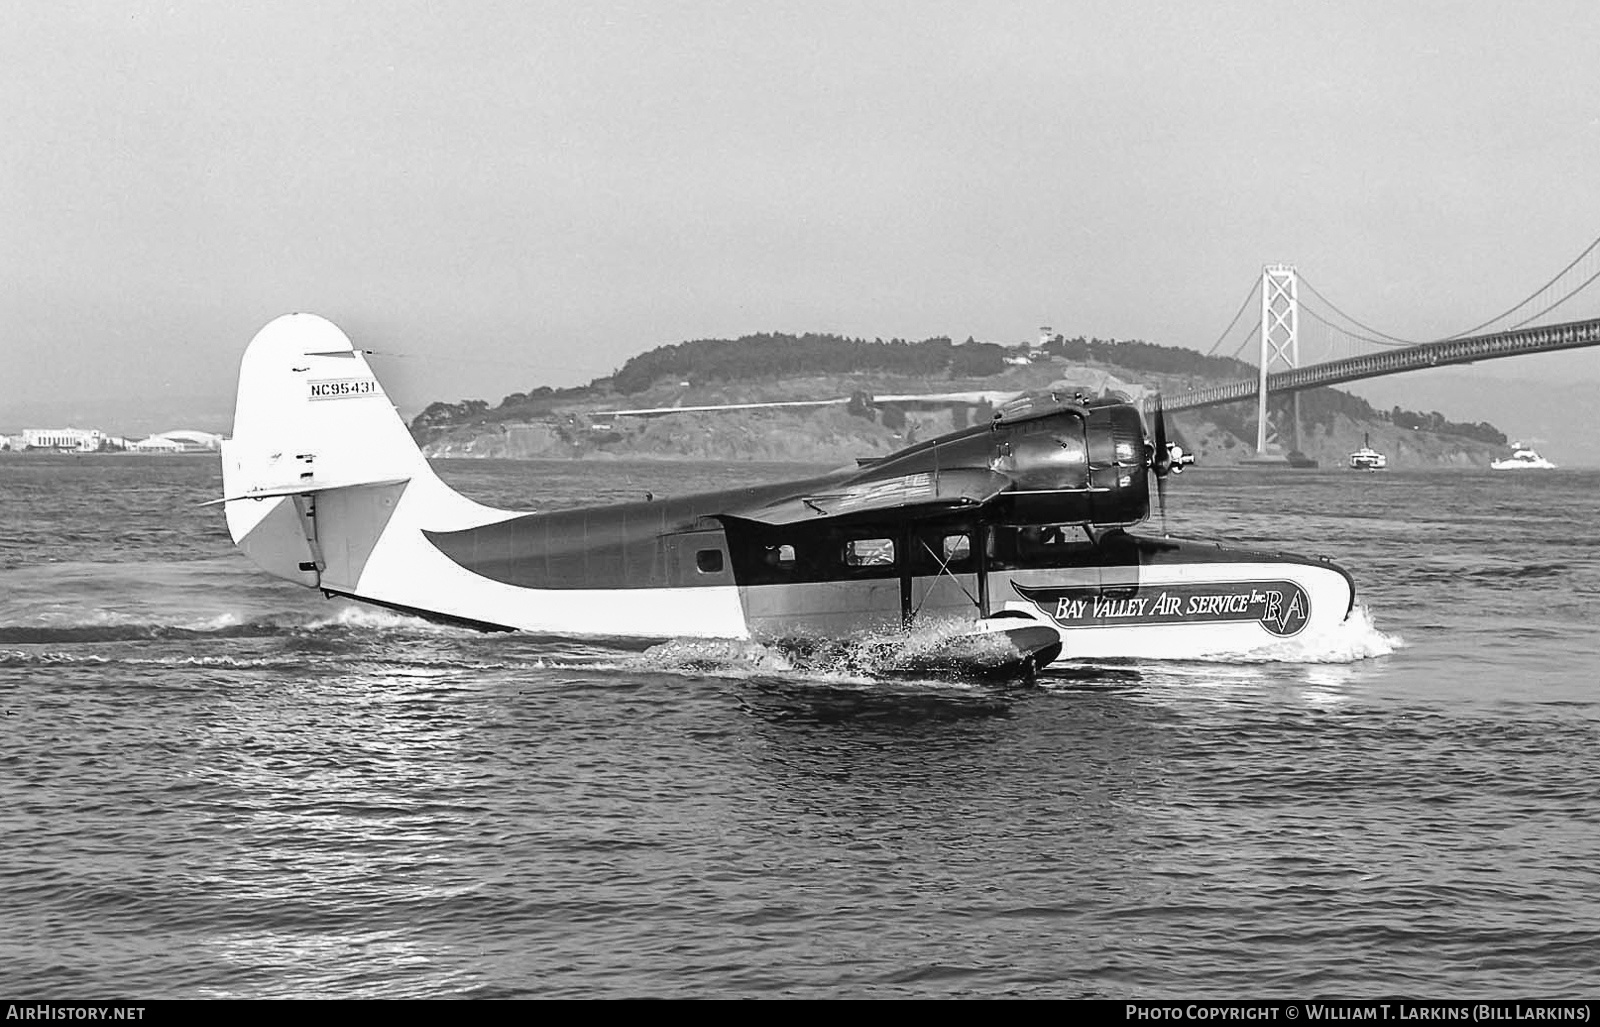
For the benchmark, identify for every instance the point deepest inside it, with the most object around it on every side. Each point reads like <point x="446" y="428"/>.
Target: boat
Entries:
<point x="1366" y="458"/>
<point x="1014" y="533"/>
<point x="1522" y="458"/>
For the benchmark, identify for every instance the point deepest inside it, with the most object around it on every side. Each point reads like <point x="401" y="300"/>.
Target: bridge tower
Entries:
<point x="1280" y="350"/>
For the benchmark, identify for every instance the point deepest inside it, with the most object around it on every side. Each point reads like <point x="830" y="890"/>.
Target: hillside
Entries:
<point x="874" y="388"/>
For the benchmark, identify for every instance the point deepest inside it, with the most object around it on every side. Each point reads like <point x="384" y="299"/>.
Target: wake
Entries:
<point x="113" y="626"/>
<point x="938" y="653"/>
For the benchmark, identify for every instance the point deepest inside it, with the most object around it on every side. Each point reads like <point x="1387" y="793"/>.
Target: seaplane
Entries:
<point x="1013" y="533"/>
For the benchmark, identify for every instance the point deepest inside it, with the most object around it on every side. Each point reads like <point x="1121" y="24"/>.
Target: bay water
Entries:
<point x="215" y="784"/>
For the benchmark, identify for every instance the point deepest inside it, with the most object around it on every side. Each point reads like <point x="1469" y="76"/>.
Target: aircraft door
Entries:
<point x="824" y="580"/>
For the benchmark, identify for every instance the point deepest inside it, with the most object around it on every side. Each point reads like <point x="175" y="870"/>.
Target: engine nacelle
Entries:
<point x="1069" y="464"/>
<point x="1083" y="465"/>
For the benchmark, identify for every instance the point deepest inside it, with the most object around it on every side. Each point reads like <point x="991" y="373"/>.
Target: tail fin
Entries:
<point x="320" y="461"/>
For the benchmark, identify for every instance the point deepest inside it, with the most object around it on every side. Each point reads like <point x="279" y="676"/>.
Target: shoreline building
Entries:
<point x="68" y="440"/>
<point x="179" y="441"/>
<point x="1034" y="352"/>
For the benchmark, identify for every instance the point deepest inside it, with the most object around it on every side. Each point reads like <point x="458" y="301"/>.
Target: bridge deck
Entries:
<point x="1571" y="335"/>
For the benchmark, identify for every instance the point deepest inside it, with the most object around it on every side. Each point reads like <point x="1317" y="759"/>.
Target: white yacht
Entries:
<point x="1522" y="457"/>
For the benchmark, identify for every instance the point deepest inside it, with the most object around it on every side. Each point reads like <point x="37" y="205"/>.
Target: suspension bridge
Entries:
<point x="1350" y="351"/>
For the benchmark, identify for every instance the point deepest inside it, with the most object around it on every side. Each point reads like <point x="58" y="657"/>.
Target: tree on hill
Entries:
<point x="778" y="355"/>
<point x="1436" y="422"/>
<point x="439" y="415"/>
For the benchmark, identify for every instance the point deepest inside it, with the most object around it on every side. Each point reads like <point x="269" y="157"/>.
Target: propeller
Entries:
<point x="1166" y="459"/>
<point x="1161" y="461"/>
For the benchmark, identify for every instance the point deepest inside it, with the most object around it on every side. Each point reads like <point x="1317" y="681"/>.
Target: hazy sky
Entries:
<point x="522" y="193"/>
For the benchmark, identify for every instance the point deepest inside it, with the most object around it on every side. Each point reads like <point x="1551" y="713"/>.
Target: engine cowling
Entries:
<point x="1069" y="463"/>
<point x="1085" y="465"/>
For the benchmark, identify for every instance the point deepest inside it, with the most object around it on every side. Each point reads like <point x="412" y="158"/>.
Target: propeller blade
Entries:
<point x="1161" y="500"/>
<point x="1161" y="459"/>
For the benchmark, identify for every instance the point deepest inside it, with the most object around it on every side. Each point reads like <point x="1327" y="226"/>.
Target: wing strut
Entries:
<point x="944" y="569"/>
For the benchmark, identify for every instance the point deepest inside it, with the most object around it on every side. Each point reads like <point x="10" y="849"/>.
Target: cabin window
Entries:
<point x="956" y="548"/>
<point x="869" y="552"/>
<point x="778" y="556"/>
<point x="709" y="561"/>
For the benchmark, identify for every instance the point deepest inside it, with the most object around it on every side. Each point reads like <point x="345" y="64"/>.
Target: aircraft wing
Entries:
<point x="921" y="492"/>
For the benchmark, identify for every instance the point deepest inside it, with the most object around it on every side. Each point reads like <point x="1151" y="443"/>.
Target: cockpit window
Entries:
<point x="1041" y="545"/>
<point x="778" y="556"/>
<point x="1049" y="534"/>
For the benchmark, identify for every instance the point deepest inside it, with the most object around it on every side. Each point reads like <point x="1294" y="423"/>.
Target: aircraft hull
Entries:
<point x="1140" y="598"/>
<point x="1196" y="612"/>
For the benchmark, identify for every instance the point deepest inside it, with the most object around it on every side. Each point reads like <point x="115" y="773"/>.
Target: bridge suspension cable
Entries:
<point x="1554" y="305"/>
<point x="1249" y="298"/>
<point x="1386" y="340"/>
<point x="1507" y="313"/>
<point x="1382" y="338"/>
<point x="1253" y="335"/>
<point x="1373" y="337"/>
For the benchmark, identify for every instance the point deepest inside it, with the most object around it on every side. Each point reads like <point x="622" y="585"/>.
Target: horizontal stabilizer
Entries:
<point x="303" y="489"/>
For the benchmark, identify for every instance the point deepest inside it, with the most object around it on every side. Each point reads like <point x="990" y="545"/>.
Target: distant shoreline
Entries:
<point x="34" y="453"/>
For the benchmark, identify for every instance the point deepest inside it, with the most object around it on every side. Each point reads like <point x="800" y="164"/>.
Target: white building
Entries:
<point x="179" y="441"/>
<point x="76" y="440"/>
<point x="156" y="444"/>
